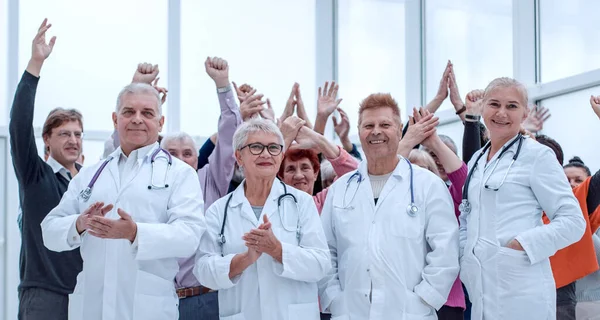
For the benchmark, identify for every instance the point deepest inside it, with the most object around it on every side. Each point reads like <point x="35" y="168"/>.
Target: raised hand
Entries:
<point x="327" y="100"/>
<point x="243" y="91"/>
<point x="40" y="50"/>
<point x="289" y="129"/>
<point x="290" y="104"/>
<point x="252" y="105"/>
<point x="268" y="113"/>
<point x="422" y="128"/>
<point x="84" y="219"/>
<point x="343" y="127"/>
<point x="300" y="108"/>
<point x="218" y="70"/>
<point x="306" y="139"/>
<point x="161" y="90"/>
<point x="536" y="118"/>
<point x="145" y="73"/>
<point x="595" y="103"/>
<point x="442" y="92"/>
<point x="454" y="94"/>
<point x="474" y="100"/>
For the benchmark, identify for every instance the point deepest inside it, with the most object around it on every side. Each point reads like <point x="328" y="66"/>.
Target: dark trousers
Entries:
<point x="450" y="313"/>
<point x="202" y="307"/>
<point x="42" y="304"/>
<point x="566" y="301"/>
<point x="468" y="303"/>
<point x="325" y="316"/>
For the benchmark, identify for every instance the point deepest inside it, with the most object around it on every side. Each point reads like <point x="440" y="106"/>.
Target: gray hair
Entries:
<point x="506" y="82"/>
<point x="327" y="171"/>
<point x="449" y="142"/>
<point x="139" y="88"/>
<point x="240" y="137"/>
<point x="181" y="137"/>
<point x="423" y="157"/>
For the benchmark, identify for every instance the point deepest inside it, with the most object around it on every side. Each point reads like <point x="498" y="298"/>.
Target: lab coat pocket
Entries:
<point x="416" y="308"/>
<point x="404" y="226"/>
<point x="75" y="306"/>
<point x="303" y="311"/>
<point x="238" y="316"/>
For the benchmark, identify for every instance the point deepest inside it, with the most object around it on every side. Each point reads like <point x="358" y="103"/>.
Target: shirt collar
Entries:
<point x="57" y="167"/>
<point x="138" y="154"/>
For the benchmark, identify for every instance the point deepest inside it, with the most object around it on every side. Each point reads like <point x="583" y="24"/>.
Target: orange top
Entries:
<point x="579" y="259"/>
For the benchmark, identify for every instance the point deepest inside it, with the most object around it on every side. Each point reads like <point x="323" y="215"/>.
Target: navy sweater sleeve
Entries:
<point x="26" y="161"/>
<point x="204" y="152"/>
<point x="593" y="197"/>
<point x="471" y="140"/>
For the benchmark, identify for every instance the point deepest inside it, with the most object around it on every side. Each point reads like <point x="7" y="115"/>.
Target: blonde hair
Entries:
<point x="424" y="160"/>
<point x="379" y="100"/>
<point x="505" y="82"/>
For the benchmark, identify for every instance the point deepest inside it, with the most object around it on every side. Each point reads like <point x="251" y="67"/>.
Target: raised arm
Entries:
<point x="442" y="92"/>
<point x="342" y="129"/>
<point x="300" y="110"/>
<point x="417" y="131"/>
<point x="455" y="98"/>
<point x="327" y="103"/>
<point x="472" y="134"/>
<point x="24" y="151"/>
<point x="216" y="175"/>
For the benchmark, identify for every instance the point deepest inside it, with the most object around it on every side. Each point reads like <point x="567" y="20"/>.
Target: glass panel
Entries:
<point x="574" y="126"/>
<point x="461" y="31"/>
<point x="371" y="53"/>
<point x="568" y="33"/>
<point x="455" y="131"/>
<point x="4" y="99"/>
<point x="98" y="47"/>
<point x="269" y="44"/>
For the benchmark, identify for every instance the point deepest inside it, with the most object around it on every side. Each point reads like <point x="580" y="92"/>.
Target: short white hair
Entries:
<point x="327" y="171"/>
<point x="182" y="137"/>
<point x="139" y="88"/>
<point x="240" y="137"/>
<point x="506" y="82"/>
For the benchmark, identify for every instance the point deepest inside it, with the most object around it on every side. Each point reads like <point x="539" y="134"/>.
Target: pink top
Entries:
<point x="343" y="164"/>
<point x="456" y="298"/>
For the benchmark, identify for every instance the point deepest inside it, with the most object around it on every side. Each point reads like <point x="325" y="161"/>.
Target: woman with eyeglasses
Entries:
<point x="504" y="246"/>
<point x="265" y="249"/>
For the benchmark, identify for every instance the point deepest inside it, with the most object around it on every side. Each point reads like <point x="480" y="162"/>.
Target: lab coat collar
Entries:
<point x="400" y="171"/>
<point x="514" y="147"/>
<point x="141" y="153"/>
<point x="239" y="198"/>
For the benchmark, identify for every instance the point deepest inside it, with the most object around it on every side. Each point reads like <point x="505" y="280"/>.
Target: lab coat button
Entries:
<point x="373" y="221"/>
<point x="368" y="270"/>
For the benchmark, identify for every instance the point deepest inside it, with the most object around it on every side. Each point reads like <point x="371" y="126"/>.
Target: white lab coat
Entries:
<point x="267" y="289"/>
<point x="504" y="283"/>
<point x="121" y="280"/>
<point x="405" y="265"/>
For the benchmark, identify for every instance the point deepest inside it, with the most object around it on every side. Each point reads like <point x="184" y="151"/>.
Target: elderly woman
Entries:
<point x="265" y="249"/>
<point x="504" y="246"/>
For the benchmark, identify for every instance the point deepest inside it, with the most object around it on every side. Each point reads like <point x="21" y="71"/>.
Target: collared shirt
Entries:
<point x="57" y="167"/>
<point x="128" y="164"/>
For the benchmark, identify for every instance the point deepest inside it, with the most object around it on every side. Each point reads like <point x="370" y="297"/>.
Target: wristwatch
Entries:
<point x="224" y="89"/>
<point x="470" y="117"/>
<point x="461" y="110"/>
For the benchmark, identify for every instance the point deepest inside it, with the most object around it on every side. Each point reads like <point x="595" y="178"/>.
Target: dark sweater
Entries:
<point x="40" y="190"/>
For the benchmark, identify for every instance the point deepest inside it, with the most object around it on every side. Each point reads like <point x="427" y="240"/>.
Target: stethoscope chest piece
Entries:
<point x="412" y="210"/>
<point x="464" y="206"/>
<point x="85" y="194"/>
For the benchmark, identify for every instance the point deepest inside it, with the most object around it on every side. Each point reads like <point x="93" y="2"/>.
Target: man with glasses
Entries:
<point x="47" y="277"/>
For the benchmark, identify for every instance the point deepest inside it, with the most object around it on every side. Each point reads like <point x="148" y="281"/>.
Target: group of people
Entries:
<point x="269" y="219"/>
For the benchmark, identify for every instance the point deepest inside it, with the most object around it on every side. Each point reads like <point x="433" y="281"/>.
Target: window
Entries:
<point x="268" y="44"/>
<point x="567" y="33"/>
<point x="475" y="35"/>
<point x="570" y="112"/>
<point x="98" y="47"/>
<point x="371" y="55"/>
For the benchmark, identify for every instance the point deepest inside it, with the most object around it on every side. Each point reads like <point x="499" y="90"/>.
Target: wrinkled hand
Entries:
<point x="161" y="90"/>
<point x="97" y="209"/>
<point x="515" y="245"/>
<point x="243" y="92"/>
<point x="122" y="228"/>
<point x="290" y="104"/>
<point x="306" y="139"/>
<point x="252" y="105"/>
<point x="289" y="129"/>
<point x="327" y="100"/>
<point x="422" y="127"/>
<point x="442" y="92"/>
<point x="40" y="50"/>
<point x="218" y="70"/>
<point x="263" y="239"/>
<point x="268" y="113"/>
<point x="474" y="101"/>
<point x="536" y="118"/>
<point x="343" y="127"/>
<point x="454" y="94"/>
<point x="145" y="73"/>
<point x="595" y="103"/>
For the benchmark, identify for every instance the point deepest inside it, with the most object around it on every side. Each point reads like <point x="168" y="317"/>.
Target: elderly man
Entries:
<point x="391" y="230"/>
<point x="133" y="215"/>
<point x="214" y="179"/>
<point x="47" y="278"/>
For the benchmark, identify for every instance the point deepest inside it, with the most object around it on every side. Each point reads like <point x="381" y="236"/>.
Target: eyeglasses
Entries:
<point x="257" y="148"/>
<point x="63" y="134"/>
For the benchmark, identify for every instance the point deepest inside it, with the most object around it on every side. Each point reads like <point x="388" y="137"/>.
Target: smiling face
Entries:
<point x="505" y="108"/>
<point x="379" y="132"/>
<point x="64" y="142"/>
<point x="300" y="174"/>
<point x="263" y="165"/>
<point x="138" y="121"/>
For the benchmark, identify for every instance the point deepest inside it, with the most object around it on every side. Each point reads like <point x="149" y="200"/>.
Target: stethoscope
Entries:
<point x="465" y="205"/>
<point x="87" y="192"/>
<point x="412" y="208"/>
<point x="279" y="200"/>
